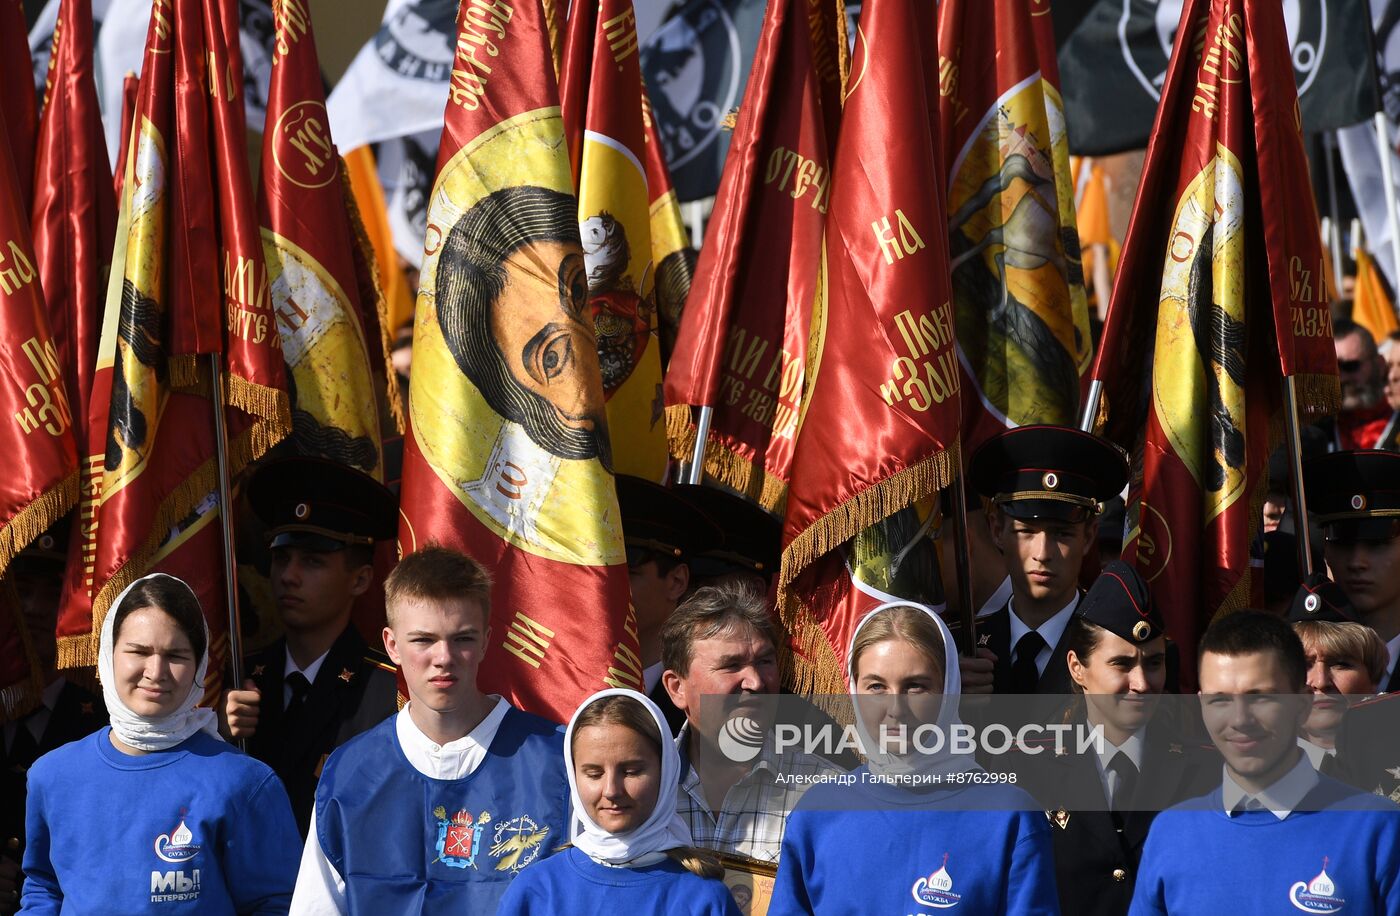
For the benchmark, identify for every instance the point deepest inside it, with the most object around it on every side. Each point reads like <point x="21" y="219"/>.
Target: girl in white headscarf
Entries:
<point x="631" y="851"/>
<point x="156" y="812"/>
<point x="918" y="826"/>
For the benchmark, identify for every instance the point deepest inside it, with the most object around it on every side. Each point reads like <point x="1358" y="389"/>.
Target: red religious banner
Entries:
<point x="41" y="475"/>
<point x="75" y="210"/>
<point x="17" y="102"/>
<point x="1018" y="284"/>
<point x="188" y="279"/>
<point x="1221" y="292"/>
<point x="879" y="430"/>
<point x="507" y="455"/>
<point x="742" y="347"/>
<point x="309" y="245"/>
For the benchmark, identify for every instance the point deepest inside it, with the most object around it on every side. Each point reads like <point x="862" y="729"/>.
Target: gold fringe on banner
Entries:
<point x="875" y="503"/>
<point x="807" y="662"/>
<point x="174" y="507"/>
<point x="37" y="517"/>
<point x="843" y="46"/>
<point x="365" y="247"/>
<point x="185" y="373"/>
<point x="1318" y="395"/>
<point x="730" y="469"/>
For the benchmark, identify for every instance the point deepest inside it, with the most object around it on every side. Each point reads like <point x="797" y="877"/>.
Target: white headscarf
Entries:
<point x="143" y="732"/>
<point x="943" y="761"/>
<point x="662" y="830"/>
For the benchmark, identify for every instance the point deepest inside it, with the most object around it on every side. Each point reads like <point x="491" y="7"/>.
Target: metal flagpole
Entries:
<point x="966" y="612"/>
<point x="1091" y="406"/>
<point x="695" y="471"/>
<point x="1334" y="234"/>
<point x="1387" y="171"/>
<point x="235" y="633"/>
<point x="1295" y="471"/>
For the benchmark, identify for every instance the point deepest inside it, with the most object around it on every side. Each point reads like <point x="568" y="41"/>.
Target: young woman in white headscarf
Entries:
<point x="156" y="814"/>
<point x="631" y="852"/>
<point x="918" y="825"/>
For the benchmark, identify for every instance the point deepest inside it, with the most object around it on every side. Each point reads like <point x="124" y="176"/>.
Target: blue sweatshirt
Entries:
<point x="199" y="828"/>
<point x="1339" y="852"/>
<point x="407" y="843"/>
<point x="571" y="882"/>
<point x="866" y="848"/>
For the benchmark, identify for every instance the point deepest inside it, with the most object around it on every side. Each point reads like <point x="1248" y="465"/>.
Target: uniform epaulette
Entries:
<point x="378" y="659"/>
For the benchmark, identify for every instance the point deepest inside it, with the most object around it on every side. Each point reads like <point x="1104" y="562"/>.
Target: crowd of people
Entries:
<point x="1279" y="790"/>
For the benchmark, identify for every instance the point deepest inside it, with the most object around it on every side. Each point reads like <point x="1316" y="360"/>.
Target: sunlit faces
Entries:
<point x="897" y="685"/>
<point x="1044" y="555"/>
<point x="547" y="340"/>
<point x="740" y="665"/>
<point x="618" y="773"/>
<point x="438" y="645"/>
<point x="315" y="589"/>
<point x="1331" y="681"/>
<point x="1392" y="377"/>
<point x="1369" y="574"/>
<point x="153" y="663"/>
<point x="1121" y="681"/>
<point x="1253" y="715"/>
<point x="1359" y="372"/>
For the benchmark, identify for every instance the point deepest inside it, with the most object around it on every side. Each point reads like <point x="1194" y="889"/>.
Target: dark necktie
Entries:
<point x="1123" y="792"/>
<point x="1025" y="677"/>
<point x="1329" y="765"/>
<point x="300" y="688"/>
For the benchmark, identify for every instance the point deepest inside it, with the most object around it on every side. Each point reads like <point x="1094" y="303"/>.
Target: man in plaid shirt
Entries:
<point x="720" y="643"/>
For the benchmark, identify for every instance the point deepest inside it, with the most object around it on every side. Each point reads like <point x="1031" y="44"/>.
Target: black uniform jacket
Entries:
<point x="355" y="689"/>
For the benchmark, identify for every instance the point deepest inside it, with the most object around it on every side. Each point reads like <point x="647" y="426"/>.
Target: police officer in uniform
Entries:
<point x="750" y="546"/>
<point x="1047" y="486"/>
<point x="321" y="684"/>
<point x="65" y="711"/>
<point x="1100" y="805"/>
<point x="1356" y="496"/>
<point x="663" y="533"/>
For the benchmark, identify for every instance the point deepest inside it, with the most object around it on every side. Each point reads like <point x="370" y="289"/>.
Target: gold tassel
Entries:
<point x="1318" y="395"/>
<point x="78" y="651"/>
<point x="730" y="469"/>
<point x="807" y="662"/>
<point x="174" y="507"/>
<point x="184" y="371"/>
<point x="874" y="503"/>
<point x="37" y="517"/>
<point x="392" y="392"/>
<point x="843" y="47"/>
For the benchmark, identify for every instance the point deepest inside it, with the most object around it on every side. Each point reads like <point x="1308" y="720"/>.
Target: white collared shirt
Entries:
<point x="1287" y="792"/>
<point x="1393" y="647"/>
<point x="320" y="890"/>
<point x="1050" y="631"/>
<point x="1132" y="746"/>
<point x="310" y="671"/>
<point x="1316" y="753"/>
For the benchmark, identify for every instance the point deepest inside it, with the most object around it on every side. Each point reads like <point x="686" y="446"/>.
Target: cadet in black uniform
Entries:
<point x="662" y="533"/>
<point x="1356" y="496"/>
<point x="750" y="549"/>
<point x="1117" y="660"/>
<point x="320" y="685"/>
<point x="66" y="710"/>
<point x="1047" y="486"/>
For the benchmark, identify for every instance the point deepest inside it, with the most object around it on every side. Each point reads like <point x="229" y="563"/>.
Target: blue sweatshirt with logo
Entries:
<point x="199" y="828"/>
<point x="874" y="848"/>
<point x="571" y="882"/>
<point x="1339" y="852"/>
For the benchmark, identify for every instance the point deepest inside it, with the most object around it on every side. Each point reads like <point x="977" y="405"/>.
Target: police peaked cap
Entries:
<point x="321" y="505"/>
<point x="1355" y="494"/>
<point x="1120" y="602"/>
<point x="751" y="538"/>
<point x="658" y="520"/>
<point x="1054" y="472"/>
<point x="1319" y="598"/>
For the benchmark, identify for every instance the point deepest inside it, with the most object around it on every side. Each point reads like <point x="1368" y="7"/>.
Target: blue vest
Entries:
<point x="407" y="843"/>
